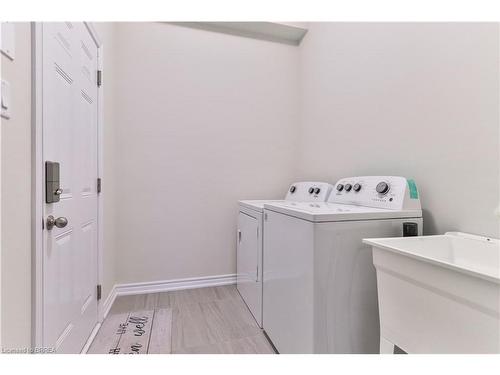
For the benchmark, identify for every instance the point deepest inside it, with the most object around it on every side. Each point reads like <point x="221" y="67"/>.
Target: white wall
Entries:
<point x="16" y="196"/>
<point x="418" y="100"/>
<point x="204" y="119"/>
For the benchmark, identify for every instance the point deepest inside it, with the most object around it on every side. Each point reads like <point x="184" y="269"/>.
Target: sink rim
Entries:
<point x="381" y="243"/>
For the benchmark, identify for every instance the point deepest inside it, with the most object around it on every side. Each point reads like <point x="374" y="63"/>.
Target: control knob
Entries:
<point x="340" y="187"/>
<point x="348" y="187"/>
<point x="356" y="187"/>
<point x="292" y="189"/>
<point x="311" y="190"/>
<point x="317" y="190"/>
<point x="382" y="187"/>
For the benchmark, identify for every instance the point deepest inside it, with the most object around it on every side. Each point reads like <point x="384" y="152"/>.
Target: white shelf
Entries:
<point x="280" y="32"/>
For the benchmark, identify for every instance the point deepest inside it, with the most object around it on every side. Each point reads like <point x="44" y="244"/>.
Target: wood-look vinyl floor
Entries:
<point x="212" y="320"/>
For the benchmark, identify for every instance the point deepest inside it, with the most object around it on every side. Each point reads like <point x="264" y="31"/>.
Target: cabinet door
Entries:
<point x="248" y="249"/>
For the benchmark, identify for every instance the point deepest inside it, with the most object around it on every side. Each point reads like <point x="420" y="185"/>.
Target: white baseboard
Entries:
<point x="164" y="286"/>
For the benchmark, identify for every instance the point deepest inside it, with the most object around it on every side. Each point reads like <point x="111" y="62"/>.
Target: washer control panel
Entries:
<point x="389" y="192"/>
<point x="309" y="192"/>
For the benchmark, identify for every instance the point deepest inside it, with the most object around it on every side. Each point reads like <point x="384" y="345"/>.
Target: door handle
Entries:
<point x="60" y="222"/>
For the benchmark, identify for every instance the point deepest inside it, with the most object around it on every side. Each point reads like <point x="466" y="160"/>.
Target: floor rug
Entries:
<point x="137" y="332"/>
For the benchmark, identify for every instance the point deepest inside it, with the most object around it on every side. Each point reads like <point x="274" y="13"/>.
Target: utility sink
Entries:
<point x="438" y="294"/>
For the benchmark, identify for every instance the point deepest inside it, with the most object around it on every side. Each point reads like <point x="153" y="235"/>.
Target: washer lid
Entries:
<point x="257" y="205"/>
<point x="304" y="191"/>
<point x="327" y="212"/>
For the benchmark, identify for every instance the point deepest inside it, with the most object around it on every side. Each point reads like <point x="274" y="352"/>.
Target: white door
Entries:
<point x="70" y="139"/>
<point x="247" y="258"/>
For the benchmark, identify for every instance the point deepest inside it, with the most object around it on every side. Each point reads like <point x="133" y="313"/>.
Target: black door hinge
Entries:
<point x="99" y="292"/>
<point x="99" y="185"/>
<point x="99" y="78"/>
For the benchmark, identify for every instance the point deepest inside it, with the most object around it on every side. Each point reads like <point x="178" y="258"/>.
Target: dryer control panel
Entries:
<point x="389" y="192"/>
<point x="309" y="191"/>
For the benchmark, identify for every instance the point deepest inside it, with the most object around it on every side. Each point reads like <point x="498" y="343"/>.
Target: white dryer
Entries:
<point x="320" y="287"/>
<point x="250" y="240"/>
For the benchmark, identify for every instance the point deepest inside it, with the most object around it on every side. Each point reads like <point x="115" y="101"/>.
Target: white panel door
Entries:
<point x="247" y="258"/>
<point x="70" y="138"/>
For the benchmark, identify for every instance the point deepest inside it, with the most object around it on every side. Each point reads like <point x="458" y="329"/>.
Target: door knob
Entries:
<point x="60" y="222"/>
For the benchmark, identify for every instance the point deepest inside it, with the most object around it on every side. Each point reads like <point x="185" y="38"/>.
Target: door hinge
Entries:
<point x="99" y="78"/>
<point x="99" y="185"/>
<point x="99" y="292"/>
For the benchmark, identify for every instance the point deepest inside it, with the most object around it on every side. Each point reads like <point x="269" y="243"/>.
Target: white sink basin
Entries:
<point x="438" y="294"/>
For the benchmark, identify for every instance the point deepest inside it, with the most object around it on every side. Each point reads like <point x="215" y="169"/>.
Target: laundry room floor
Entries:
<point x="212" y="320"/>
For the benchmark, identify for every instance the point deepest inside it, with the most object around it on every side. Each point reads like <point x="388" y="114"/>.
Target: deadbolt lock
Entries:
<point x="52" y="189"/>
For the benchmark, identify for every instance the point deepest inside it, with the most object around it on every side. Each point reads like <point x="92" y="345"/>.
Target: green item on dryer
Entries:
<point x="413" y="189"/>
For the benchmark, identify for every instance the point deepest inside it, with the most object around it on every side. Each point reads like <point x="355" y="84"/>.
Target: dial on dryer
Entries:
<point x="382" y="187"/>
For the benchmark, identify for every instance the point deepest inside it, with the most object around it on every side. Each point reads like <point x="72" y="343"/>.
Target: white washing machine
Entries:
<point x="250" y="240"/>
<point x="320" y="286"/>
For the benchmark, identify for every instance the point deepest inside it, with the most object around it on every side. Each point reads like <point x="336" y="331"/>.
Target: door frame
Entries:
<point x="37" y="198"/>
